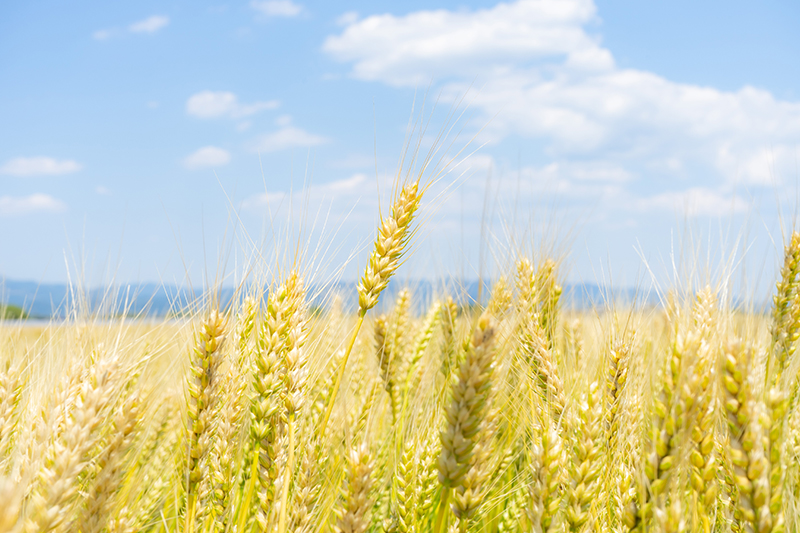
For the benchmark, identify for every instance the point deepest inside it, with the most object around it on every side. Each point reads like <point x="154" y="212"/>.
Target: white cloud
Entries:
<point x="590" y="171"/>
<point x="412" y="49"/>
<point x="764" y="165"/>
<point x="346" y="19"/>
<point x="35" y="203"/>
<point x="149" y="25"/>
<point x="696" y="201"/>
<point x="223" y="104"/>
<point x="343" y="192"/>
<point x="276" y="8"/>
<point x="103" y="35"/>
<point x="283" y="120"/>
<point x="39" y="166"/>
<point x="543" y="76"/>
<point x="287" y="137"/>
<point x="208" y="156"/>
<point x="102" y="191"/>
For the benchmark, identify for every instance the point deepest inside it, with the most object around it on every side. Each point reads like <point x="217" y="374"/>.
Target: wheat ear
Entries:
<point x="785" y="311"/>
<point x="391" y="243"/>
<point x="616" y="379"/>
<point x="668" y="409"/>
<point x="428" y="482"/>
<point x="470" y="493"/>
<point x="500" y="299"/>
<point x="205" y="363"/>
<point x="109" y="465"/>
<point x="385" y="354"/>
<point x="405" y="488"/>
<point x="56" y="489"/>
<point x="421" y="342"/>
<point x="157" y="470"/>
<point x="223" y="455"/>
<point x="306" y="490"/>
<point x="354" y="514"/>
<point x="549" y="294"/>
<point x="536" y="352"/>
<point x="295" y="375"/>
<point x="703" y="434"/>
<point x="245" y="327"/>
<point x="11" y="496"/>
<point x="266" y="406"/>
<point x="10" y="394"/>
<point x="587" y="460"/>
<point x="746" y="450"/>
<point x="465" y="414"/>
<point x="449" y="342"/>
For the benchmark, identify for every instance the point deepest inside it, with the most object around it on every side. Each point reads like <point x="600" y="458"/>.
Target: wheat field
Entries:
<point x="511" y="415"/>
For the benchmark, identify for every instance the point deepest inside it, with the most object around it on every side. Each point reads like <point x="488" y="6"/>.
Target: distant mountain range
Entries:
<point x="151" y="299"/>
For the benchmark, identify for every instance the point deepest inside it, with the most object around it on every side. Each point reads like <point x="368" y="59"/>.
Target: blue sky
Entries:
<point x="142" y="141"/>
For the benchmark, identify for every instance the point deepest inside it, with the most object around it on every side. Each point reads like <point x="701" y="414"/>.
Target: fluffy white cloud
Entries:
<point x="208" y="156"/>
<point x="287" y="137"/>
<point x="544" y="77"/>
<point x="149" y="25"/>
<point x="35" y="203"/>
<point x="276" y="8"/>
<point x="412" y="49"/>
<point x="223" y="104"/>
<point x="39" y="166"/>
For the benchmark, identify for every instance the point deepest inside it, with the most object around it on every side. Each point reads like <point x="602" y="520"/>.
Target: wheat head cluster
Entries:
<point x="509" y="415"/>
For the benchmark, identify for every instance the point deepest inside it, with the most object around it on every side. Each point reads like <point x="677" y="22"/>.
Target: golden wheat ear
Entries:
<point x="586" y="461"/>
<point x="390" y="245"/>
<point x="282" y="331"/>
<point x="206" y="358"/>
<point x="746" y="441"/>
<point x="295" y="373"/>
<point x="465" y="414"/>
<point x="785" y="311"/>
<point x="51" y="502"/>
<point x="353" y="515"/>
<point x="10" y="396"/>
<point x="109" y="466"/>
